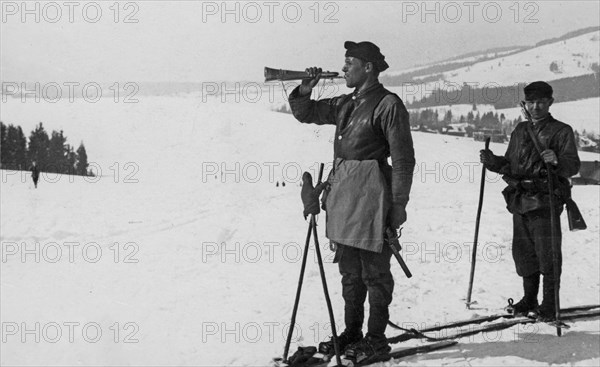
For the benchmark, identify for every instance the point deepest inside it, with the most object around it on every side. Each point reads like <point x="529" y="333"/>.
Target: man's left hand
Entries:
<point x="549" y="157"/>
<point x="397" y="216"/>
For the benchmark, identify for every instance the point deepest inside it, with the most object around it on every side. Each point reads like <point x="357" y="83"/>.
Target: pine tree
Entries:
<point x="21" y="150"/>
<point x="3" y="144"/>
<point x="14" y="147"/>
<point x="82" y="161"/>
<point x="448" y="117"/>
<point x="57" y="157"/>
<point x="477" y="121"/>
<point x="470" y="118"/>
<point x="12" y="142"/>
<point x="71" y="160"/>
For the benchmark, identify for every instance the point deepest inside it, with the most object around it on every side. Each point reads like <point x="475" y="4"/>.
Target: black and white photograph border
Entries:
<point x="229" y="183"/>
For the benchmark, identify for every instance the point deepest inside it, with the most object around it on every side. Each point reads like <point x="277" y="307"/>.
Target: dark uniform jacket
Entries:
<point x="371" y="125"/>
<point x="524" y="169"/>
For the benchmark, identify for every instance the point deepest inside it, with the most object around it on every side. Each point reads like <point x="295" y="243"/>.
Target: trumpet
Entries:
<point x="280" y="74"/>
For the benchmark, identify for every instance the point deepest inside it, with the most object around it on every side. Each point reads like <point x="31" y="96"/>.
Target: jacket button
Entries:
<point x="340" y="137"/>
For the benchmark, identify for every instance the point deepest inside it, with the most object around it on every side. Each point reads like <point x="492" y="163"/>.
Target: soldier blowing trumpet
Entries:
<point x="365" y="196"/>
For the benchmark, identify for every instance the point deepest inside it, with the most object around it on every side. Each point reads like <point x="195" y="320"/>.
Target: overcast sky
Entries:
<point x="194" y="41"/>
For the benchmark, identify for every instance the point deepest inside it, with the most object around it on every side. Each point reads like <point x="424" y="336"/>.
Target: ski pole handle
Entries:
<point x="321" y="167"/>
<point x="395" y="246"/>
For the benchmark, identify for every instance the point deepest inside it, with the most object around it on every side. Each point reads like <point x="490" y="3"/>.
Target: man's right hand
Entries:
<point x="308" y="84"/>
<point x="490" y="161"/>
<point x="488" y="158"/>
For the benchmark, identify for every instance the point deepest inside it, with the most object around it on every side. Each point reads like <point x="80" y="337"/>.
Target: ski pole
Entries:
<point x="298" y="291"/>
<point x="327" y="299"/>
<point x="474" y="253"/>
<point x="554" y="250"/>
<point x="324" y="280"/>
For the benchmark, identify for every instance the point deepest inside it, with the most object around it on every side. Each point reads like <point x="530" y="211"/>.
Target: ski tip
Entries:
<point x="345" y="362"/>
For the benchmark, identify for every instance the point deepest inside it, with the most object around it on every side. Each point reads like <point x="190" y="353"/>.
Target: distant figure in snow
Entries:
<point x="35" y="173"/>
<point x="527" y="195"/>
<point x="371" y="125"/>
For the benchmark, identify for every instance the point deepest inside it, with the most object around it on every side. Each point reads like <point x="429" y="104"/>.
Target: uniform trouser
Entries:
<point x="366" y="272"/>
<point x="532" y="243"/>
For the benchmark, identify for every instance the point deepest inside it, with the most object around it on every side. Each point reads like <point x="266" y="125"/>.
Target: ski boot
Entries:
<point x="545" y="313"/>
<point x="302" y="356"/>
<point x="344" y="339"/>
<point x="369" y="348"/>
<point x="529" y="302"/>
<point x="522" y="308"/>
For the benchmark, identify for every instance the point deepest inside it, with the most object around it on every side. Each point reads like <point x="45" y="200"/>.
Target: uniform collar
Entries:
<point x="542" y="122"/>
<point x="357" y="95"/>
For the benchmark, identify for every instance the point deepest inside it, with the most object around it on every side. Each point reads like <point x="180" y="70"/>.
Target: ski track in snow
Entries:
<point x="217" y="259"/>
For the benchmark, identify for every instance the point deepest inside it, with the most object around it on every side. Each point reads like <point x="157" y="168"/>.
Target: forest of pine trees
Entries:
<point x="429" y="119"/>
<point x="51" y="152"/>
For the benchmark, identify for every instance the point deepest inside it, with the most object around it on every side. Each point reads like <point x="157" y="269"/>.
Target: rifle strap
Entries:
<point x="536" y="143"/>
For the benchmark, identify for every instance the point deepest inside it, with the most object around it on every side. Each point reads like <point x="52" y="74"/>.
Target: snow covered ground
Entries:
<point x="186" y="252"/>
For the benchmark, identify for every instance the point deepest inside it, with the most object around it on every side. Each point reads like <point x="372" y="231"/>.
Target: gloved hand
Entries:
<point x="397" y="216"/>
<point x="489" y="160"/>
<point x="310" y="195"/>
<point x="549" y="157"/>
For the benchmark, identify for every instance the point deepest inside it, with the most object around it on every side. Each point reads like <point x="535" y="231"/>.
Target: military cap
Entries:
<point x="537" y="90"/>
<point x="366" y="51"/>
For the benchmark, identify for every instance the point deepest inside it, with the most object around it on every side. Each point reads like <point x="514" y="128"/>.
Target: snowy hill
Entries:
<point x="185" y="252"/>
<point x="572" y="55"/>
